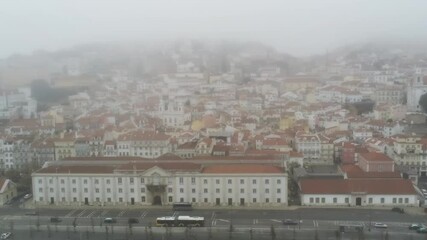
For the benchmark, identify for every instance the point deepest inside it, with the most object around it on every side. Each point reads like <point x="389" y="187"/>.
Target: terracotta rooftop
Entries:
<point x="354" y="171"/>
<point x="242" y="168"/>
<point x="348" y="186"/>
<point x="77" y="169"/>
<point x="374" y="156"/>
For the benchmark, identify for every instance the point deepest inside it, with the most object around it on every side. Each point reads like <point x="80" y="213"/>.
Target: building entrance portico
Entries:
<point x="157" y="200"/>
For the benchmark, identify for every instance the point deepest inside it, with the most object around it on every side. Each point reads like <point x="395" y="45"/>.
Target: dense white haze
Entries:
<point x="296" y="27"/>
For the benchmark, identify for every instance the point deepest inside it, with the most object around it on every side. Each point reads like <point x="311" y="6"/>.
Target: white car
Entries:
<point x="380" y="225"/>
<point x="5" y="235"/>
<point x="27" y="196"/>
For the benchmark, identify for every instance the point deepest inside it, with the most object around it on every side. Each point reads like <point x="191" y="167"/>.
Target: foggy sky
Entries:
<point x="296" y="27"/>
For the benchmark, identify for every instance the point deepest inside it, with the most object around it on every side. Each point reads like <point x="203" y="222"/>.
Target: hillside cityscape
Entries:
<point x="214" y="125"/>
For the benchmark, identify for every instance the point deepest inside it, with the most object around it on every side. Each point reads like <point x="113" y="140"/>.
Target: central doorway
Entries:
<point x="157" y="200"/>
<point x="358" y="201"/>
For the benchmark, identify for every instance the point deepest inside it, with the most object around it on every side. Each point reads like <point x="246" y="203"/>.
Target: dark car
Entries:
<point x="55" y="220"/>
<point x="133" y="221"/>
<point x="289" y="222"/>
<point x="398" y="210"/>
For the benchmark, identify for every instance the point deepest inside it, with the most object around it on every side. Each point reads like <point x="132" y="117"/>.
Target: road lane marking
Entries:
<point x="103" y="213"/>
<point x="91" y="214"/>
<point x="121" y="214"/>
<point x="275" y="220"/>
<point x="315" y="223"/>
<point x="255" y="221"/>
<point x="223" y="220"/>
<point x="82" y="213"/>
<point x="71" y="213"/>
<point x="143" y="214"/>
<point x="213" y="222"/>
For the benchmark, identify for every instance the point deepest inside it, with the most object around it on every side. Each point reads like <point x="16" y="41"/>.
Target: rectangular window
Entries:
<point x="86" y="190"/>
<point x="205" y="200"/>
<point x="193" y="180"/>
<point x="73" y="181"/>
<point x="50" y="181"/>
<point x="40" y="181"/>
<point x="143" y="190"/>
<point x="267" y="200"/>
<point x="181" y="200"/>
<point x="169" y="190"/>
<point x="131" y="180"/>
<point x="317" y="200"/>
<point x="230" y="181"/>
<point x="181" y="190"/>
<point x="370" y="200"/>
<point x="254" y="190"/>
<point x="63" y="190"/>
<point x="131" y="190"/>
<point x="323" y="200"/>
<point x="119" y="180"/>
<point x="253" y="181"/>
<point x="181" y="180"/>
<point x="311" y="200"/>
<point x="97" y="190"/>
<point x="242" y="190"/>
<point x="279" y="181"/>
<point x="347" y="200"/>
<point x="108" y="199"/>
<point x="217" y="181"/>
<point x="217" y="190"/>
<point x="278" y="200"/>
<point x="170" y="199"/>
<point x="193" y="200"/>
<point x="97" y="199"/>
<point x="335" y="200"/>
<point x="85" y="181"/>
<point x="205" y="181"/>
<point x="40" y="189"/>
<point x="96" y="181"/>
<point x="394" y="200"/>
<point x="254" y="200"/>
<point x="120" y="190"/>
<point x="205" y="190"/>
<point x="108" y="181"/>
<point x="108" y="190"/>
<point x="62" y="181"/>
<point x="229" y="190"/>
<point x="142" y="180"/>
<point x="267" y="181"/>
<point x="193" y="190"/>
<point x="74" y="190"/>
<point x="406" y="200"/>
<point x="242" y="181"/>
<point x="143" y="199"/>
<point x="279" y="190"/>
<point x="120" y="199"/>
<point x="267" y="190"/>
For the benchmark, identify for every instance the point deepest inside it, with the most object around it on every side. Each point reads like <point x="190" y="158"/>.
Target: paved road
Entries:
<point x="311" y="218"/>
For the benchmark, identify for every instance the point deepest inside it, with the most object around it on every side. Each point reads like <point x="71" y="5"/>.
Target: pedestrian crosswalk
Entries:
<point x="89" y="213"/>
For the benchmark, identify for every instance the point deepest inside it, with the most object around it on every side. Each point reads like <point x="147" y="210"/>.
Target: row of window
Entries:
<point x="242" y="190"/>
<point x="347" y="200"/>
<point x="181" y="181"/>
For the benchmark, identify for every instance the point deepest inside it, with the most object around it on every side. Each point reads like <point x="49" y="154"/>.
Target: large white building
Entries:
<point x="415" y="89"/>
<point x="358" y="192"/>
<point x="148" y="183"/>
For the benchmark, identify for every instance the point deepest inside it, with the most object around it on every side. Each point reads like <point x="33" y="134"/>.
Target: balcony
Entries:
<point x="156" y="185"/>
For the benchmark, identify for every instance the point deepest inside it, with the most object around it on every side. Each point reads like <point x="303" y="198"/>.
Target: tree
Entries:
<point x="423" y="102"/>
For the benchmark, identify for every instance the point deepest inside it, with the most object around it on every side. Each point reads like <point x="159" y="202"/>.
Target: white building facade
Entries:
<point x="161" y="184"/>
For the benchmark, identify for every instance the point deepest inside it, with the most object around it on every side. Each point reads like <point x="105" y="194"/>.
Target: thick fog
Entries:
<point x="296" y="27"/>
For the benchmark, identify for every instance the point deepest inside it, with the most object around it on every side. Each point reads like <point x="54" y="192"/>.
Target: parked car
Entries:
<point x="289" y="222"/>
<point x="416" y="226"/>
<point x="380" y="225"/>
<point x="5" y="235"/>
<point x="133" y="220"/>
<point x="398" y="210"/>
<point x="422" y="230"/>
<point x="110" y="220"/>
<point x="28" y="196"/>
<point x="55" y="220"/>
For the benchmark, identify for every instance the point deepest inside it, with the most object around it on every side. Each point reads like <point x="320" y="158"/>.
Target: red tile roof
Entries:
<point x="354" y="171"/>
<point x="242" y="168"/>
<point x="77" y="169"/>
<point x="348" y="186"/>
<point x="375" y="156"/>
